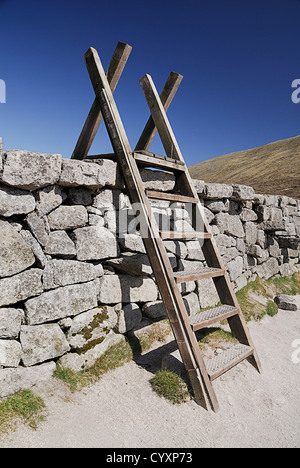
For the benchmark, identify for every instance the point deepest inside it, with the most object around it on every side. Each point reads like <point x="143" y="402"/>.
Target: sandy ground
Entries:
<point x="122" y="411"/>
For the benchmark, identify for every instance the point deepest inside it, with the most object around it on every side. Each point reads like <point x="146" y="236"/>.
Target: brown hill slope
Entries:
<point x="273" y="168"/>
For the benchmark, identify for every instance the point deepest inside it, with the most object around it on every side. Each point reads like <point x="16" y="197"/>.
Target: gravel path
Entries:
<point x="121" y="410"/>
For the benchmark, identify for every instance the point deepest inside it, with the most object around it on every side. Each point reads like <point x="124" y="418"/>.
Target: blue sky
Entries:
<point x="238" y="59"/>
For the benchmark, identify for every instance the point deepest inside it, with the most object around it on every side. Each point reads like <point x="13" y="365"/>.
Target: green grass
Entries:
<point x="23" y="405"/>
<point x="216" y="338"/>
<point x="171" y="386"/>
<point x="253" y="309"/>
<point x="272" y="308"/>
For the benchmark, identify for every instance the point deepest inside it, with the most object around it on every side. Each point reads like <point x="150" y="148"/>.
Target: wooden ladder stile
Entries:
<point x="200" y="374"/>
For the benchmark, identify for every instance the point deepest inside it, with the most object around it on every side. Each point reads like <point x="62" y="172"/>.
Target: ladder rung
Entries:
<point x="162" y="162"/>
<point x="170" y="197"/>
<point x="208" y="317"/>
<point x="184" y="235"/>
<point x="226" y="360"/>
<point x="205" y="272"/>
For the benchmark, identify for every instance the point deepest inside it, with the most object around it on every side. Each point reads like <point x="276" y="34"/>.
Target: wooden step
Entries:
<point x="184" y="235"/>
<point x="227" y="359"/>
<point x="161" y="162"/>
<point x="202" y="273"/>
<point x="171" y="197"/>
<point x="208" y="317"/>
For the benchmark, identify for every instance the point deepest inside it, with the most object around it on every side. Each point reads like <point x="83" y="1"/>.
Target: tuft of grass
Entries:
<point x="253" y="309"/>
<point x="171" y="386"/>
<point x="285" y="285"/>
<point x="23" y="405"/>
<point x="216" y="338"/>
<point x="272" y="308"/>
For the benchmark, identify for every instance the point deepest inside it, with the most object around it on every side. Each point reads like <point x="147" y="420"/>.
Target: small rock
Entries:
<point x="286" y="302"/>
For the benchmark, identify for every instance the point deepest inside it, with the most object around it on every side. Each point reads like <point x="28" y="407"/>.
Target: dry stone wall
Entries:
<point x="73" y="281"/>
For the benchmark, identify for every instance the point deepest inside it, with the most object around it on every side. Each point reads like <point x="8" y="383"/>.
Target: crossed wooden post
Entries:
<point x="114" y="72"/>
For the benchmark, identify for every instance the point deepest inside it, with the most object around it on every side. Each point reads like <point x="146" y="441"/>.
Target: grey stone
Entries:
<point x="15" y="202"/>
<point x="194" y="251"/>
<point x="107" y="199"/>
<point x="132" y="264"/>
<point x="191" y="302"/>
<point x="248" y="215"/>
<point x="65" y="272"/>
<point x="189" y="265"/>
<point x="21" y="286"/>
<point x="59" y="244"/>
<point x="268" y="268"/>
<point x="209" y="215"/>
<point x="254" y="251"/>
<point x="96" y="220"/>
<point x="78" y="362"/>
<point x="36" y="248"/>
<point x="225" y="241"/>
<point x="235" y="268"/>
<point x="154" y="310"/>
<point x="68" y="217"/>
<point x="273" y="247"/>
<point x="15" y="254"/>
<point x="272" y="225"/>
<point x="250" y="233"/>
<point x="240" y="245"/>
<point x="38" y="227"/>
<point x="125" y="288"/>
<point x="262" y="239"/>
<point x="15" y="379"/>
<point x="242" y="192"/>
<point x="207" y="293"/>
<point x="129" y="317"/>
<point x="10" y="353"/>
<point x="41" y="343"/>
<point x="89" y="174"/>
<point x="176" y="247"/>
<point x="10" y="322"/>
<point x="263" y="212"/>
<point x="66" y="301"/>
<point x="75" y="173"/>
<point x="215" y="191"/>
<point x="48" y="199"/>
<point x="158" y="180"/>
<point x="286" y="302"/>
<point x="230" y="253"/>
<point x="229" y="224"/>
<point x="29" y="170"/>
<point x="91" y="328"/>
<point x="215" y="205"/>
<point x="95" y="243"/>
<point x="199" y="186"/>
<point x="132" y="242"/>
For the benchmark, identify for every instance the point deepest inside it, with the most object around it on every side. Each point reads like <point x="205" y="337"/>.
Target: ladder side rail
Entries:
<point x="166" y="96"/>
<point x="94" y="118"/>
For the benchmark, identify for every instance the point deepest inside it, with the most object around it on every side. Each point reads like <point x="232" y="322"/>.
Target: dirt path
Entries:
<point x="121" y="410"/>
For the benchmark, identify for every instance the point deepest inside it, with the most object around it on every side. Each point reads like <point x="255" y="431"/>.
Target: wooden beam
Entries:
<point x="160" y="118"/>
<point x="94" y="118"/>
<point x="166" y="98"/>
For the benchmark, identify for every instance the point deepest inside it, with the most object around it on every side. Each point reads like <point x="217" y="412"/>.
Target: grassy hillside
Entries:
<point x="272" y="168"/>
